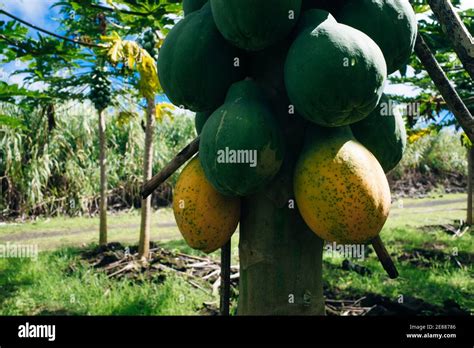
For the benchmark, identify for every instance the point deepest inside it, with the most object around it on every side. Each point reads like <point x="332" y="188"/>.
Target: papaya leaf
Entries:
<point x="164" y="110"/>
<point x="149" y="83"/>
<point x="465" y="141"/>
<point x="134" y="57"/>
<point x="415" y="135"/>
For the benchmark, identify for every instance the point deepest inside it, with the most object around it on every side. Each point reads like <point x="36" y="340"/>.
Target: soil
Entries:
<point x="415" y="184"/>
<point x="425" y="257"/>
<point x="342" y="303"/>
<point x="39" y="235"/>
<point x="204" y="274"/>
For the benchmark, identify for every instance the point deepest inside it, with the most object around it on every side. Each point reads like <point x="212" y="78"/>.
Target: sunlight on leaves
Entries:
<point x="136" y="58"/>
<point x="164" y="110"/>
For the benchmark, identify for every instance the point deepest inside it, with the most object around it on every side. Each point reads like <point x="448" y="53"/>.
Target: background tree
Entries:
<point x="427" y="112"/>
<point x="89" y="23"/>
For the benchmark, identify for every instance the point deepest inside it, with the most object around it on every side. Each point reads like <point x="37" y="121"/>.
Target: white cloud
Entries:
<point x="466" y="5"/>
<point x="19" y="79"/>
<point x="34" y="11"/>
<point x="403" y="90"/>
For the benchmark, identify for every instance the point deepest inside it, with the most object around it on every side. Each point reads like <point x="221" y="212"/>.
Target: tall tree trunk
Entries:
<point x="280" y="257"/>
<point x="144" y="244"/>
<point x="103" y="180"/>
<point x="470" y="179"/>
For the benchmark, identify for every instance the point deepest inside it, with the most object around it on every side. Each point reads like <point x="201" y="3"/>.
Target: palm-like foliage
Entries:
<point x="54" y="171"/>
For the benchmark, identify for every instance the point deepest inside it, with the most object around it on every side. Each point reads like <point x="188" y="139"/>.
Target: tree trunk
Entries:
<point x="225" y="278"/>
<point x="280" y="257"/>
<point x="456" y="31"/>
<point x="103" y="180"/>
<point x="470" y="179"/>
<point x="144" y="244"/>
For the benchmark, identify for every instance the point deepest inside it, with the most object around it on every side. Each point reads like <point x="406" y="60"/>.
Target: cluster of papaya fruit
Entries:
<point x="100" y="93"/>
<point x="150" y="42"/>
<point x="274" y="79"/>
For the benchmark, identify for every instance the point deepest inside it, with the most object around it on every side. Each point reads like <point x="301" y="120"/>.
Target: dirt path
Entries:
<point x="41" y="235"/>
<point x="51" y="234"/>
<point x="432" y="203"/>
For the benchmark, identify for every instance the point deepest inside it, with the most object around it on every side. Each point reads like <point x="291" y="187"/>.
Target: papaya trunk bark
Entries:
<point x="103" y="180"/>
<point x="280" y="257"/>
<point x="470" y="179"/>
<point x="144" y="243"/>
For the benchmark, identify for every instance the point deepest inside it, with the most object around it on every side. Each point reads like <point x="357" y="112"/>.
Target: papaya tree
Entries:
<point x="45" y="61"/>
<point x="79" y="56"/>
<point x="133" y="57"/>
<point x="126" y="19"/>
<point x="315" y="189"/>
<point x="88" y="23"/>
<point x="100" y="96"/>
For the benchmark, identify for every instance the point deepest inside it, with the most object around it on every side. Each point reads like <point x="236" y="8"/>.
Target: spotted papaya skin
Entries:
<point x="340" y="188"/>
<point x="205" y="218"/>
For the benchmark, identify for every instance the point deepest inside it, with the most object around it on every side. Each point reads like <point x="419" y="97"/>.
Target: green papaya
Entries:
<point x="383" y="133"/>
<point x="200" y="120"/>
<point x="241" y="146"/>
<point x="190" y="6"/>
<point x="334" y="74"/>
<point x="196" y="64"/>
<point x="255" y="24"/>
<point x="267" y="70"/>
<point x="332" y="6"/>
<point x="392" y="26"/>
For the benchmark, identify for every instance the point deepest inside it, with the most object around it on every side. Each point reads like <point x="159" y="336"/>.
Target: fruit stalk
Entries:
<point x="181" y="158"/>
<point x="441" y="81"/>
<point x="384" y="258"/>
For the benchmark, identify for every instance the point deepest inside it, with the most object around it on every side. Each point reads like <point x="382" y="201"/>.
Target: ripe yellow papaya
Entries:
<point x="205" y="218"/>
<point x="340" y="188"/>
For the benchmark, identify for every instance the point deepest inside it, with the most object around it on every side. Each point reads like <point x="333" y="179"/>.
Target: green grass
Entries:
<point x="46" y="287"/>
<point x="433" y="210"/>
<point x="403" y="232"/>
<point x="438" y="282"/>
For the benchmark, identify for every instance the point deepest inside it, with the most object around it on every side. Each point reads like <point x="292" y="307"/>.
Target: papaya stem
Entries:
<point x="448" y="92"/>
<point x="384" y="257"/>
<point x="181" y="158"/>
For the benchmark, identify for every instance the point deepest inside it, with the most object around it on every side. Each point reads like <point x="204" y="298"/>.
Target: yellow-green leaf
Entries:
<point x="163" y="110"/>
<point x="134" y="57"/>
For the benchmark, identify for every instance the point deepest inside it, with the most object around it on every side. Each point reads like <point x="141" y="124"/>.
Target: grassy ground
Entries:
<point x="47" y="286"/>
